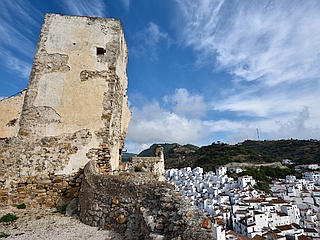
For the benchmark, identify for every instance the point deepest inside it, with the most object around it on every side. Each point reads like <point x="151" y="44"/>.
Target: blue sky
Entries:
<point x="199" y="71"/>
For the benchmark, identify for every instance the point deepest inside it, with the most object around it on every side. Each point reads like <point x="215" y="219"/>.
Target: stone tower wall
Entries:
<point x="75" y="110"/>
<point x="78" y="81"/>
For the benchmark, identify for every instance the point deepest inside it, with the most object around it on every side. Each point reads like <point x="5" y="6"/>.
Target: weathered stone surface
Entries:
<point x="154" y="165"/>
<point x="74" y="110"/>
<point x="72" y="208"/>
<point x="138" y="206"/>
<point x="10" y="109"/>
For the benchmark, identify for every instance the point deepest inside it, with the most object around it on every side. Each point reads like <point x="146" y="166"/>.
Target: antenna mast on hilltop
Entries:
<point x="258" y="134"/>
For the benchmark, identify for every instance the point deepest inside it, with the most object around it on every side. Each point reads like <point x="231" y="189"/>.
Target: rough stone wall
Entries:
<point x="75" y="110"/>
<point x="29" y="170"/>
<point x="153" y="165"/>
<point x="10" y="111"/>
<point x="139" y="207"/>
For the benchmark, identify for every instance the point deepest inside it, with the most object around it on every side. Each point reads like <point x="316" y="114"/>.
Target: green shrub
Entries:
<point x="21" y="206"/>
<point x="4" y="235"/>
<point x="61" y="209"/>
<point x="8" y="218"/>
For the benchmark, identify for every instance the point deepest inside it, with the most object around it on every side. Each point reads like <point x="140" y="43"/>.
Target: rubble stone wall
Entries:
<point x="152" y="165"/>
<point x="31" y="172"/>
<point x="138" y="206"/>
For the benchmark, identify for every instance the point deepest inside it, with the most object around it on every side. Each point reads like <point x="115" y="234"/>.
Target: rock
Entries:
<point x="189" y="214"/>
<point x="121" y="219"/>
<point x="159" y="226"/>
<point x="171" y="226"/>
<point x="72" y="208"/>
<point x="115" y="200"/>
<point x="156" y="236"/>
<point x="3" y="192"/>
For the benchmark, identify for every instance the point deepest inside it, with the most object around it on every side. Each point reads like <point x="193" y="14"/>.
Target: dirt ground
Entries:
<point x="49" y="225"/>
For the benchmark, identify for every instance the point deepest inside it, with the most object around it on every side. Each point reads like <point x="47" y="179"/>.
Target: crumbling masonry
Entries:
<point x="61" y="139"/>
<point x="74" y="110"/>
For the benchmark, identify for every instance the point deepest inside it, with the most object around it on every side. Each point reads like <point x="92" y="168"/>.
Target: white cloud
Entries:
<point x="20" y="66"/>
<point x="298" y="126"/>
<point x="271" y="50"/>
<point x="271" y="41"/>
<point x="185" y="104"/>
<point x="148" y="40"/>
<point x="13" y="39"/>
<point x="17" y="39"/>
<point x="92" y="8"/>
<point x="153" y="124"/>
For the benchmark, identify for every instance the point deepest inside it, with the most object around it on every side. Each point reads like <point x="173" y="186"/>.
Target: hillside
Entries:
<point x="174" y="153"/>
<point x="299" y="151"/>
<point x="208" y="157"/>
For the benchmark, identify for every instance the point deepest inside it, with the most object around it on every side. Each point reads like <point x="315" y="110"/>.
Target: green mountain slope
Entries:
<point x="208" y="157"/>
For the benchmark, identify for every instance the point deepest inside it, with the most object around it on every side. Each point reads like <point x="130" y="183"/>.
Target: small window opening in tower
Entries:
<point x="100" y="51"/>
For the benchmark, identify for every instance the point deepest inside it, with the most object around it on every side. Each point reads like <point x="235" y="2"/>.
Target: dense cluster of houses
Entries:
<point x="239" y="211"/>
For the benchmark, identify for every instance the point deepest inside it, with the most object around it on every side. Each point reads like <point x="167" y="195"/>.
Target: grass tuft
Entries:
<point x="4" y="235"/>
<point x="8" y="218"/>
<point x="22" y="206"/>
<point x="61" y="209"/>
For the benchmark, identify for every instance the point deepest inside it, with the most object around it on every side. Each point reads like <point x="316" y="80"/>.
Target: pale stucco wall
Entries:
<point x="79" y="104"/>
<point x="10" y="110"/>
<point x="73" y="87"/>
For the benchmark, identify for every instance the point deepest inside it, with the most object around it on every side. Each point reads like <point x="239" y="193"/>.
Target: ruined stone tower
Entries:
<point x="62" y="146"/>
<point x="75" y="108"/>
<point x="78" y="81"/>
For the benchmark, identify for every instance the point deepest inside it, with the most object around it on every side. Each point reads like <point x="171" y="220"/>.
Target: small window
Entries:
<point x="100" y="51"/>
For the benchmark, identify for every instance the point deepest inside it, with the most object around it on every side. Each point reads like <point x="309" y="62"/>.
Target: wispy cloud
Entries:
<point x="183" y="117"/>
<point x="126" y="4"/>
<point x="17" y="39"/>
<point x="298" y="126"/>
<point x="176" y="123"/>
<point x="18" y="65"/>
<point x="93" y="8"/>
<point x="256" y="40"/>
<point x="185" y="104"/>
<point x="271" y="51"/>
<point x="148" y="40"/>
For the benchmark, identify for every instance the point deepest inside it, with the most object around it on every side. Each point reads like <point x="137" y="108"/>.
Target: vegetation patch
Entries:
<point x="61" y="209"/>
<point x="22" y="206"/>
<point x="217" y="154"/>
<point x="8" y="218"/>
<point x="265" y="174"/>
<point x="4" y="235"/>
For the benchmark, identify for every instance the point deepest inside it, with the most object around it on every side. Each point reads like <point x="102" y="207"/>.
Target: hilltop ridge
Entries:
<point x="208" y="157"/>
